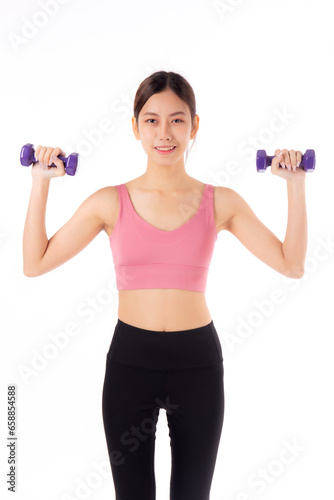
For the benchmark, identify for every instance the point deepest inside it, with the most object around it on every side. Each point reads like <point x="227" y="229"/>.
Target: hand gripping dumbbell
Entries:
<point x="263" y="161"/>
<point x="27" y="157"/>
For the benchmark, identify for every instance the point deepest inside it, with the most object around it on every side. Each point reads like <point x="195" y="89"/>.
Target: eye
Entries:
<point x="152" y="119"/>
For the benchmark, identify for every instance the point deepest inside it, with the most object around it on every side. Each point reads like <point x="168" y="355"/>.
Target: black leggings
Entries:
<point x="181" y="372"/>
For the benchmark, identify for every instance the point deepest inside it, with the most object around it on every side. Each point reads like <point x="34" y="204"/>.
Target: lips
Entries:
<point x="173" y="147"/>
<point x="165" y="152"/>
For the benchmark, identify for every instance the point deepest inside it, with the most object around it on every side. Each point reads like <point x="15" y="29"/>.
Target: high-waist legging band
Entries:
<point x="181" y="372"/>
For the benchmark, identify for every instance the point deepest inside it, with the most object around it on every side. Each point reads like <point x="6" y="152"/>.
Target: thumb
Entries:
<point x="277" y="158"/>
<point x="275" y="163"/>
<point x="59" y="164"/>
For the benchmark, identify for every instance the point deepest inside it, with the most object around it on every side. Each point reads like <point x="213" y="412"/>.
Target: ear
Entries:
<point x="135" y="128"/>
<point x="195" y="127"/>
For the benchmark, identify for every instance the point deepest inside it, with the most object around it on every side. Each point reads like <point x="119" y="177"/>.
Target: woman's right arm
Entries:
<point x="40" y="254"/>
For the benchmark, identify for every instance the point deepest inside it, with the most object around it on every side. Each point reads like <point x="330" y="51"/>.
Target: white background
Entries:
<point x="69" y="65"/>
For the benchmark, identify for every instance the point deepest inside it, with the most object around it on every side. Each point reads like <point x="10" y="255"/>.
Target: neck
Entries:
<point x="166" y="177"/>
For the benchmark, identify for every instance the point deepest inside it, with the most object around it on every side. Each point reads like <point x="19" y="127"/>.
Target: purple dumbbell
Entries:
<point x="27" y="157"/>
<point x="263" y="161"/>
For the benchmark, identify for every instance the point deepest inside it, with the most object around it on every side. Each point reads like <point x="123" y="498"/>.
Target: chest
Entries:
<point x="166" y="212"/>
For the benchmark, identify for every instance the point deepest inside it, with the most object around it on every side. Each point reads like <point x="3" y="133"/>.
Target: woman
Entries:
<point x="162" y="226"/>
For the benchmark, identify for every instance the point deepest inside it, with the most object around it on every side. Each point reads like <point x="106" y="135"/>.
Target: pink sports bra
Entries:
<point x="147" y="257"/>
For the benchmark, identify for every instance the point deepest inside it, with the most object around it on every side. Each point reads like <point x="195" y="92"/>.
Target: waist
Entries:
<point x="151" y="349"/>
<point x="163" y="309"/>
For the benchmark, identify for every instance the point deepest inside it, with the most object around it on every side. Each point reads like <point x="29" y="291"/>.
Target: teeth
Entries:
<point x="165" y="149"/>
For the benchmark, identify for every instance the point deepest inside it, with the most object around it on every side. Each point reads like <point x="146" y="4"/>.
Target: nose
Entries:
<point x="164" y="131"/>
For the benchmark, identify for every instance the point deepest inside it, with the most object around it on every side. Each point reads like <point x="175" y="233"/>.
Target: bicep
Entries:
<point x="254" y="235"/>
<point x="73" y="236"/>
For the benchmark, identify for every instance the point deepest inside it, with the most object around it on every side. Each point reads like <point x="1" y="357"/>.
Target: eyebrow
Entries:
<point x="173" y="114"/>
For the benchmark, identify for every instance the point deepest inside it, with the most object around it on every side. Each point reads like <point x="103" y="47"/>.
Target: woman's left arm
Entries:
<point x="287" y="257"/>
<point x="295" y="242"/>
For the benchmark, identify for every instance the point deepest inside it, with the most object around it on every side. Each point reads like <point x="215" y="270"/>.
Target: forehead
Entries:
<point x="165" y="102"/>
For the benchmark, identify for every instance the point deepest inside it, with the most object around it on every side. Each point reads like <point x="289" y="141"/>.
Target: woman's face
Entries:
<point x="165" y="120"/>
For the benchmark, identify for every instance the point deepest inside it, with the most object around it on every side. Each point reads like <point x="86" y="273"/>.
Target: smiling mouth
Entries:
<point x="166" y="149"/>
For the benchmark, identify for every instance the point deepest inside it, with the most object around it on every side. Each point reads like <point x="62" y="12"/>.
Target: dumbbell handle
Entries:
<point x="270" y="159"/>
<point x="62" y="158"/>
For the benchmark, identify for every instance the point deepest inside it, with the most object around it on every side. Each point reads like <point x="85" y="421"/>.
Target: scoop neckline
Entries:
<point x="163" y="230"/>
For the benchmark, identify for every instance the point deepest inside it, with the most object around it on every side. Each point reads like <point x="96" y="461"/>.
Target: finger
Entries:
<point x="285" y="158"/>
<point x="299" y="158"/>
<point x="57" y="151"/>
<point x="41" y="155"/>
<point x="47" y="155"/>
<point x="59" y="164"/>
<point x="276" y="159"/>
<point x="293" y="160"/>
<point x="37" y="152"/>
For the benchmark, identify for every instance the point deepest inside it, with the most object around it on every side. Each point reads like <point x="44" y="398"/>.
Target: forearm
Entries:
<point x="35" y="239"/>
<point x="295" y="243"/>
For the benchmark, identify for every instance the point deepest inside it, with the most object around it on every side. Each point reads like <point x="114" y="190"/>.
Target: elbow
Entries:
<point x="30" y="273"/>
<point x="295" y="272"/>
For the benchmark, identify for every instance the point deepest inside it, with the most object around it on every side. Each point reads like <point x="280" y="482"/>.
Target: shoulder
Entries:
<point x="223" y="194"/>
<point x="106" y="196"/>
<point x="227" y="203"/>
<point x="105" y="204"/>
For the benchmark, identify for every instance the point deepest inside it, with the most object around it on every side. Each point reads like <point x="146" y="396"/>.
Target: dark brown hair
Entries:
<point x="158" y="82"/>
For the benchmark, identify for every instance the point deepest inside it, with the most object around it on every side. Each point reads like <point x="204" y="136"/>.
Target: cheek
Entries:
<point x="146" y="133"/>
